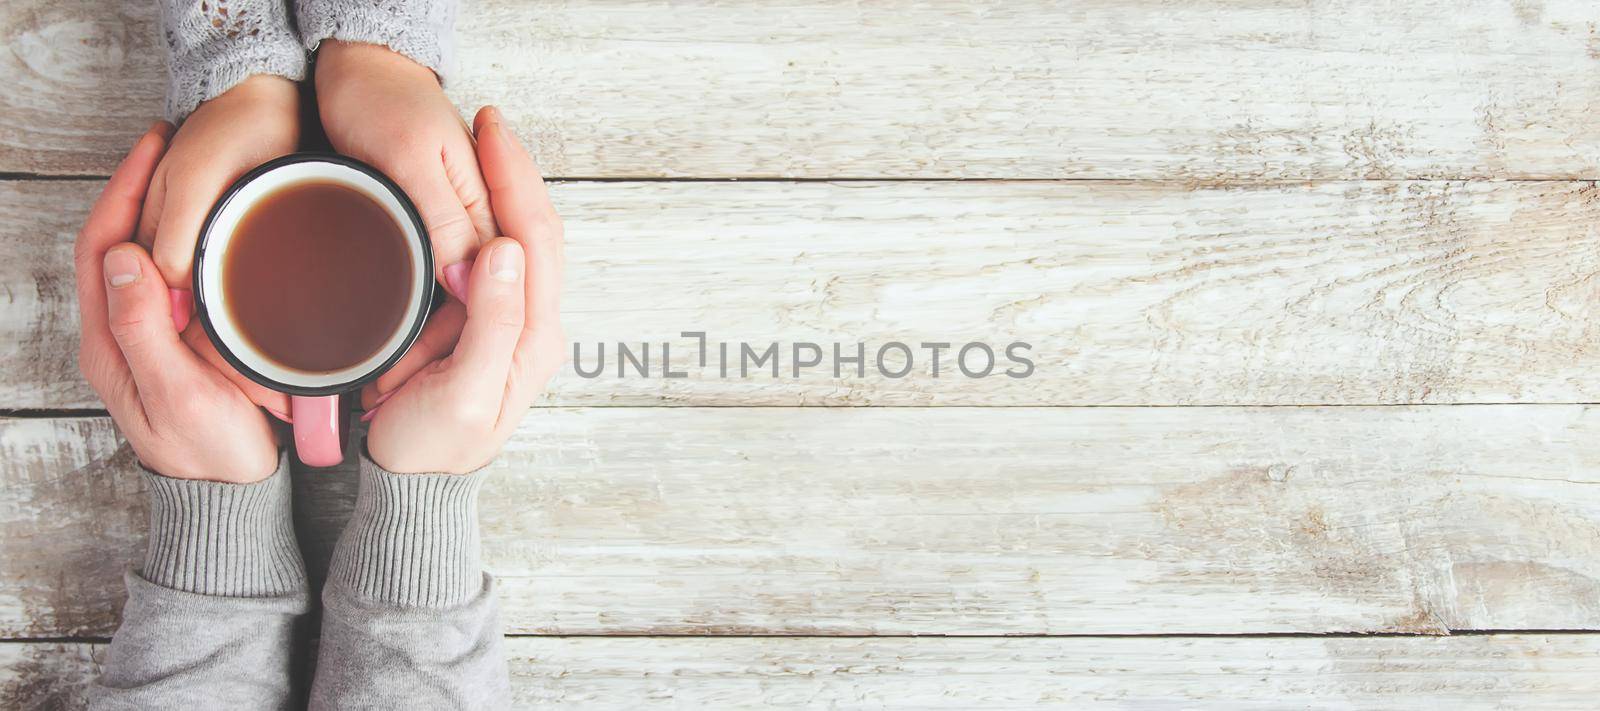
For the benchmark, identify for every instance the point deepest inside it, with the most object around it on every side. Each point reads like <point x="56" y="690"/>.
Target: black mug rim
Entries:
<point x="426" y="296"/>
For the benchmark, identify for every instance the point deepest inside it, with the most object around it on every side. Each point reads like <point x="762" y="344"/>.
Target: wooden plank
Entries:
<point x="48" y="676"/>
<point x="1554" y="672"/>
<point x="72" y="519"/>
<point x="827" y="88"/>
<point x="854" y="521"/>
<point x="1130" y="294"/>
<point x="1478" y="672"/>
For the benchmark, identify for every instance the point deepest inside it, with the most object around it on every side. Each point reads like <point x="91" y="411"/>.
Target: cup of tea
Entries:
<point x="313" y="275"/>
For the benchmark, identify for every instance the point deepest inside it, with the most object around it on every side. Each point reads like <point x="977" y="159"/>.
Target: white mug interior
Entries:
<point x="220" y="236"/>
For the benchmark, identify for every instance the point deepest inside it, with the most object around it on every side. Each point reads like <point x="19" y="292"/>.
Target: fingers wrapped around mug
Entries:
<point x="111" y="222"/>
<point x="182" y="417"/>
<point x="207" y="154"/>
<point x="454" y="415"/>
<point x="523" y="209"/>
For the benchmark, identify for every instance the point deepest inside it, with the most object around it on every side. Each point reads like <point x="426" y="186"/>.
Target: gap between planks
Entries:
<point x="1178" y="635"/>
<point x="1243" y="182"/>
<point x="46" y="414"/>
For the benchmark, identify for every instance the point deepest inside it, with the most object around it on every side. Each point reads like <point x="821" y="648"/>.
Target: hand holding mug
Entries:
<point x="312" y="276"/>
<point x="184" y="418"/>
<point x="381" y="108"/>
<point x="454" y="414"/>
<point x="255" y="121"/>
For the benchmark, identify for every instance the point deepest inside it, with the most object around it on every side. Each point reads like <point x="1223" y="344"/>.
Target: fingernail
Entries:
<point x="382" y="397"/>
<point x="506" y="263"/>
<point x="182" y="306"/>
<point x="455" y="279"/>
<point x="500" y="126"/>
<point x="370" y="414"/>
<point x="122" y="268"/>
<point x="280" y="415"/>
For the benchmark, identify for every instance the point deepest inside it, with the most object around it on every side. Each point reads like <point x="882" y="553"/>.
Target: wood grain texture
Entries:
<point x="48" y="676"/>
<point x="1480" y="672"/>
<point x="835" y="521"/>
<point x="1130" y="293"/>
<point x="828" y="88"/>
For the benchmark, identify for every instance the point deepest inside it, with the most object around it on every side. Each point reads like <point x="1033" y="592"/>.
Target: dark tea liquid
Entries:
<point x="317" y="276"/>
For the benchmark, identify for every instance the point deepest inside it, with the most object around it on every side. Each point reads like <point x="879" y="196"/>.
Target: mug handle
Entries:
<point x="316" y="429"/>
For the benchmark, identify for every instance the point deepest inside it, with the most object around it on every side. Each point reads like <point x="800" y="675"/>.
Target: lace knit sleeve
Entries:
<point x="419" y="29"/>
<point x="213" y="45"/>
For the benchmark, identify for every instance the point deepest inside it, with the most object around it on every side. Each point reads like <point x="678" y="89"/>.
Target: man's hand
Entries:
<point x="184" y="418"/>
<point x="454" y="414"/>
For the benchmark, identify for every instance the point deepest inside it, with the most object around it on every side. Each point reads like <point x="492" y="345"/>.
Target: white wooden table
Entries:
<point x="1311" y="287"/>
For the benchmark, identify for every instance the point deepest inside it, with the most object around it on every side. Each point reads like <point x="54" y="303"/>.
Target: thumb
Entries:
<point x="481" y="362"/>
<point x="139" y="313"/>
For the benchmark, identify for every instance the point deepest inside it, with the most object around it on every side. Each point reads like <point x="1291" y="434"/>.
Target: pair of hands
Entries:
<point x="375" y="105"/>
<point x="459" y="393"/>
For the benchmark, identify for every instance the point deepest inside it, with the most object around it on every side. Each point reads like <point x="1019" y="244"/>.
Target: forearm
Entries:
<point x="409" y="616"/>
<point x="422" y="30"/>
<point x="212" y="45"/>
<point x="213" y="612"/>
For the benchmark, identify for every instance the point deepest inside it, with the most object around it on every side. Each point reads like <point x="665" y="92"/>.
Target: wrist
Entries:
<point x="260" y="91"/>
<point x="408" y="455"/>
<point x="340" y="61"/>
<point x="246" y="464"/>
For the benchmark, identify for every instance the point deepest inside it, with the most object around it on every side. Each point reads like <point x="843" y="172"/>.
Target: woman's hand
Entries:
<point x="250" y="124"/>
<point x="386" y="110"/>
<point x="184" y="418"/>
<point x="454" y="414"/>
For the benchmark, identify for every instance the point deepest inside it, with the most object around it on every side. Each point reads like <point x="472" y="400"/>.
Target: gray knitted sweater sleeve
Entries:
<point x="214" y="611"/>
<point x="215" y="616"/>
<point x="212" y="45"/>
<point x="419" y="29"/>
<point x="409" y="618"/>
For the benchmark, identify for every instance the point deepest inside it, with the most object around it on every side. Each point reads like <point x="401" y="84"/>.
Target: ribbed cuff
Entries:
<point x="232" y="540"/>
<point x="413" y="539"/>
<point x="203" y="76"/>
<point x="422" y="30"/>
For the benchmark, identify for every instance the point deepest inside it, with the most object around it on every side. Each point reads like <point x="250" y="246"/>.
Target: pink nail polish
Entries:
<point x="370" y="414"/>
<point x="382" y="397"/>
<point x="182" y="301"/>
<point x="281" y="415"/>
<point x="456" y="277"/>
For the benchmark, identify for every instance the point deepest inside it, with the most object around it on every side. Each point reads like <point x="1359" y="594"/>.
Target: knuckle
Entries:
<point x="171" y="257"/>
<point x="83" y="256"/>
<point x="128" y="329"/>
<point x="549" y="230"/>
<point x="507" y="311"/>
<point x="452" y="225"/>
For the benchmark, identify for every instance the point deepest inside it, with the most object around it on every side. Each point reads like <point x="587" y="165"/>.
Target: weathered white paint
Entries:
<point x="1131" y="293"/>
<point x="829" y="88"/>
<point x="944" y="520"/>
<point x="1253" y="674"/>
<point x="1184" y="289"/>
